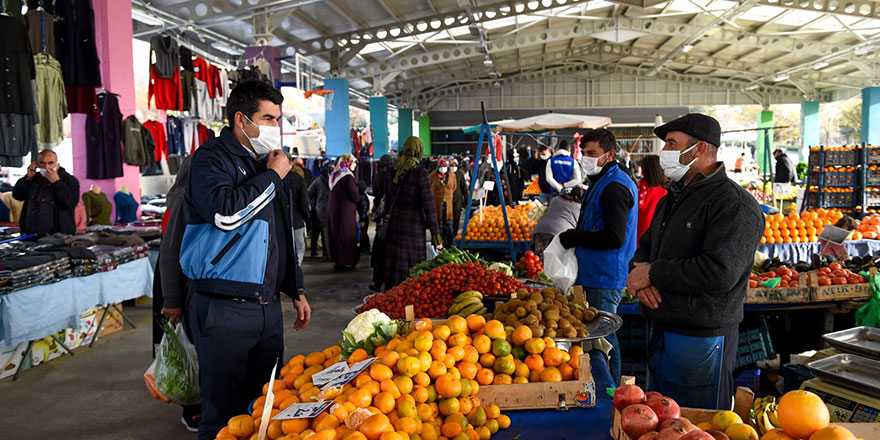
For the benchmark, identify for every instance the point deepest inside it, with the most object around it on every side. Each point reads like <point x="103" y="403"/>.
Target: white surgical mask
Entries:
<point x="545" y="156"/>
<point x="269" y="138"/>
<point x="353" y="166"/>
<point x="590" y="165"/>
<point x="442" y="170"/>
<point x="42" y="171"/>
<point x="453" y="169"/>
<point x="672" y="167"/>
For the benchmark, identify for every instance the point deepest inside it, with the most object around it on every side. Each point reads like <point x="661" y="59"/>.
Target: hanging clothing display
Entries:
<point x="186" y="59"/>
<point x="18" y="137"/>
<point x="16" y="68"/>
<point x="265" y="70"/>
<point x="104" y="139"/>
<point x="189" y="127"/>
<point x="41" y="28"/>
<point x="167" y="55"/>
<point x="152" y="167"/>
<point x="167" y="91"/>
<point x="126" y="207"/>
<point x="98" y="208"/>
<point x="135" y="152"/>
<point x="203" y="104"/>
<point x="160" y="140"/>
<point x="174" y="128"/>
<point x="75" y="43"/>
<point x="81" y="99"/>
<point x="51" y="99"/>
<point x="213" y="81"/>
<point x="200" y="68"/>
<point x="204" y="134"/>
<point x="187" y="90"/>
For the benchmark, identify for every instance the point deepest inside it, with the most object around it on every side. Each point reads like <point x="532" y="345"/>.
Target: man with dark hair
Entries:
<point x="562" y="170"/>
<point x="604" y="236"/>
<point x="50" y="196"/>
<point x="785" y="170"/>
<point x="238" y="250"/>
<point x="691" y="269"/>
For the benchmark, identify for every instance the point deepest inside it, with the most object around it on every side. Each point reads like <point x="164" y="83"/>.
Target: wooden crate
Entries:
<point x="800" y="294"/>
<point x="538" y="395"/>
<point x="839" y="292"/>
<point x="742" y="406"/>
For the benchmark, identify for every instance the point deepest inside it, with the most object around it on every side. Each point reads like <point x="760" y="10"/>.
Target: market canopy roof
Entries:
<point x="554" y="121"/>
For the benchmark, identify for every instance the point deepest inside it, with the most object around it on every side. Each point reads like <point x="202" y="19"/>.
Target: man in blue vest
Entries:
<point x="562" y="170"/>
<point x="605" y="236"/>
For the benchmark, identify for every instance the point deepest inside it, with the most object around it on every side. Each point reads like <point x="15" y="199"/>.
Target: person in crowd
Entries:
<point x="738" y="166"/>
<point x="342" y="214"/>
<point x="307" y="173"/>
<point x="459" y="196"/>
<point x="538" y="166"/>
<point x="296" y="181"/>
<point x="50" y="195"/>
<point x="238" y="250"/>
<point x="651" y="190"/>
<point x="443" y="187"/>
<point x="411" y="211"/>
<point x="319" y="195"/>
<point x="785" y="170"/>
<point x="514" y="177"/>
<point x="170" y="285"/>
<point x="561" y="215"/>
<point x="562" y="170"/>
<point x="605" y="236"/>
<point x="692" y="267"/>
<point x="363" y="209"/>
<point x="835" y="250"/>
<point x="629" y="165"/>
<point x="381" y="184"/>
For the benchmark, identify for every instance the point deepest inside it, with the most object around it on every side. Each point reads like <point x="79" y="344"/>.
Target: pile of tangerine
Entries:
<point x="798" y="228"/>
<point x="488" y="224"/>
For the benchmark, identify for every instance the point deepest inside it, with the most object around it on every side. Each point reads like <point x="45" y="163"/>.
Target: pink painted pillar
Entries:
<point x="113" y="35"/>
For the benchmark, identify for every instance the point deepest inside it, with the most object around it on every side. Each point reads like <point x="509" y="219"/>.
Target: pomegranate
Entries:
<point x="698" y="435"/>
<point x="626" y="395"/>
<point x="718" y="434"/>
<point x="652" y="395"/>
<point x="649" y="436"/>
<point x="665" y="408"/>
<point x="677" y="423"/>
<point x="672" y="433"/>
<point x="638" y="419"/>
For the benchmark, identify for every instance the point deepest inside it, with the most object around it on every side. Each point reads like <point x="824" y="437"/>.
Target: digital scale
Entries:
<point x="844" y="404"/>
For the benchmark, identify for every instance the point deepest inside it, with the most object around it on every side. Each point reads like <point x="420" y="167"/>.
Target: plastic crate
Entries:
<point x="873" y="177"/>
<point x="872" y="198"/>
<point x="842" y="158"/>
<point x="794" y="375"/>
<point x="816" y="179"/>
<point x="815" y="199"/>
<point x="633" y="334"/>
<point x="816" y="158"/>
<point x="755" y="345"/>
<point x="840" y="178"/>
<point x="750" y="379"/>
<point x="873" y="156"/>
<point x="839" y="199"/>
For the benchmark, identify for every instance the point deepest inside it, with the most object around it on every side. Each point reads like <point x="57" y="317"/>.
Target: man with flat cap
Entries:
<point x="691" y="269"/>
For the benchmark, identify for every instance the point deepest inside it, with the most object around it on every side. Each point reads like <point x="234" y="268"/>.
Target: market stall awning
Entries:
<point x="476" y="128"/>
<point x="553" y="121"/>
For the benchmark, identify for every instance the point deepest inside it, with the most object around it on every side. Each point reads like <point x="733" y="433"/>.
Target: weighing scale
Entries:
<point x="844" y="404"/>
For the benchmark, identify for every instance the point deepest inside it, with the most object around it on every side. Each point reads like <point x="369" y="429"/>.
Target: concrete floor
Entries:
<point x="99" y="393"/>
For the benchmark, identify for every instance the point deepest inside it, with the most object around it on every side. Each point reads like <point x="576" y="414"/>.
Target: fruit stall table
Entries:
<point x="795" y="252"/>
<point x="519" y="247"/>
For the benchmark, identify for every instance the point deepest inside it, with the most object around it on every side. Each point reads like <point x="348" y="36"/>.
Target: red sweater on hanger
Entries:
<point x="201" y="69"/>
<point x="166" y="90"/>
<point x="157" y="130"/>
<point x="214" y="90"/>
<point x="203" y="135"/>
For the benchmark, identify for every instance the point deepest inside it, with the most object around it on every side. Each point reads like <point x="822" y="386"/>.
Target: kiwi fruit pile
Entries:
<point x="547" y="313"/>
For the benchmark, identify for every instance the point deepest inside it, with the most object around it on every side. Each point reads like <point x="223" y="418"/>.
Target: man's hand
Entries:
<point x="569" y="238"/>
<point x="303" y="312"/>
<point x="174" y="314"/>
<point x="650" y="297"/>
<point x="279" y="163"/>
<point x="32" y="170"/>
<point x="52" y="175"/>
<point x="638" y="278"/>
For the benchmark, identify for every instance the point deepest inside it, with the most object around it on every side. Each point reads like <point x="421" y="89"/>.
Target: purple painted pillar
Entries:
<point x="113" y="36"/>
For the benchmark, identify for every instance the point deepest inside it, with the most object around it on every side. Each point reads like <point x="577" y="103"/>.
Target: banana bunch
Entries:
<point x="468" y="303"/>
<point x="764" y="413"/>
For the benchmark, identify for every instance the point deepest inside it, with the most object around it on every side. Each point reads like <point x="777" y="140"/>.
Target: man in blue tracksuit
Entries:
<point x="605" y="236"/>
<point x="562" y="170"/>
<point x="238" y="250"/>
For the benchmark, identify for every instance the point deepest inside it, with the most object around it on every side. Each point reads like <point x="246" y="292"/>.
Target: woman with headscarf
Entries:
<point x="410" y="207"/>
<point x="319" y="194"/>
<point x="459" y="196"/>
<point x="443" y="186"/>
<point x="381" y="183"/>
<point x="342" y="214"/>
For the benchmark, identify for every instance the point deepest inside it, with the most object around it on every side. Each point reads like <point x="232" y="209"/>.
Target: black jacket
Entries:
<point x="785" y="171"/>
<point x="175" y="284"/>
<point x="701" y="246"/>
<point x="300" y="194"/>
<point x="63" y="195"/>
<point x="16" y="67"/>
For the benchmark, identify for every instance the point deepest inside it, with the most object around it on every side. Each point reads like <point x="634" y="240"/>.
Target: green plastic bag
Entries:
<point x="177" y="368"/>
<point x="869" y="314"/>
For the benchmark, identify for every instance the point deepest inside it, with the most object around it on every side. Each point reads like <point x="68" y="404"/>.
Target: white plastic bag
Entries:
<point x="430" y="251"/>
<point x="560" y="264"/>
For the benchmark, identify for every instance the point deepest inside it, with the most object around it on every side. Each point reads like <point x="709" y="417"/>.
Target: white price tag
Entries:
<point x="303" y="410"/>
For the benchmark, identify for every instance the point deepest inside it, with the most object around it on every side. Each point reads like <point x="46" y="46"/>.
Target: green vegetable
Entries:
<point x="447" y="256"/>
<point x="177" y="370"/>
<point x="382" y="333"/>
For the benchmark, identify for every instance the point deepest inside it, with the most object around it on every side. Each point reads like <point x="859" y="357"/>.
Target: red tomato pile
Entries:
<point x="835" y="274"/>
<point x="433" y="293"/>
<point x="529" y="266"/>
<point x="790" y="277"/>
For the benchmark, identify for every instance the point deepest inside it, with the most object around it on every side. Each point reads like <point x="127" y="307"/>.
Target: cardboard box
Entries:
<point x="112" y="323"/>
<point x="539" y="394"/>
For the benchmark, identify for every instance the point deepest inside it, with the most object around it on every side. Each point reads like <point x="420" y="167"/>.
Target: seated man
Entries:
<point x="50" y="196"/>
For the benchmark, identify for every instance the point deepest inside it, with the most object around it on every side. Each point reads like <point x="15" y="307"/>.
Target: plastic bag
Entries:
<point x="869" y="314"/>
<point x="560" y="264"/>
<point x="176" y="367"/>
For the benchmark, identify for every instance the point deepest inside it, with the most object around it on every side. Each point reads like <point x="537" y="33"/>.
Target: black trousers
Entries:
<point x="238" y="343"/>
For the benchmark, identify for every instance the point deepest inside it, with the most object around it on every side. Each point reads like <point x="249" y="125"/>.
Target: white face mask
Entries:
<point x="269" y="138"/>
<point x="671" y="164"/>
<point x="590" y="165"/>
<point x="442" y="170"/>
<point x="353" y="166"/>
<point x="453" y="169"/>
<point x="545" y="156"/>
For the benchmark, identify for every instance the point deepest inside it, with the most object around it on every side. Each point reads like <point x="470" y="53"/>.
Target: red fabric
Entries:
<point x="166" y="90"/>
<point x="214" y="90"/>
<point x="203" y="134"/>
<point x="201" y="69"/>
<point x="81" y="99"/>
<point x="165" y="217"/>
<point x="648" y="198"/>
<point x="157" y="129"/>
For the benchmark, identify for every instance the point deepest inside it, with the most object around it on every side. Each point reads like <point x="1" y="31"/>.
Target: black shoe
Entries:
<point x="191" y="422"/>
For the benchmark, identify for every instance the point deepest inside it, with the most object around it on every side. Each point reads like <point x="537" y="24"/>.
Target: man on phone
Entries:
<point x="49" y="194"/>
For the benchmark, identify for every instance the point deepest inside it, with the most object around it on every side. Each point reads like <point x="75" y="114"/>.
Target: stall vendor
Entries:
<point x="691" y="269"/>
<point x="605" y="236"/>
<point x="50" y="196"/>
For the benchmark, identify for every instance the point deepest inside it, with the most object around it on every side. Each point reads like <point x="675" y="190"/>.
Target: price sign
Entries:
<point x="303" y="410"/>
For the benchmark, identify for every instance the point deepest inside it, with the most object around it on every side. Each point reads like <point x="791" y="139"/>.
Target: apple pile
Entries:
<point x="652" y="416"/>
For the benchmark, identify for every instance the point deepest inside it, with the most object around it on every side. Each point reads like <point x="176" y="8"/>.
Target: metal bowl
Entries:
<point x="604" y="325"/>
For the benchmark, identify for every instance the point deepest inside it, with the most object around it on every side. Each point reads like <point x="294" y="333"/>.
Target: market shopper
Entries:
<point x="50" y="195"/>
<point x="605" y="236"/>
<point x="238" y="250"/>
<point x="443" y="187"/>
<point x="381" y="184"/>
<point x="411" y="210"/>
<point x="692" y="267"/>
<point x="651" y="190"/>
<point x="562" y="170"/>
<point x="561" y="215"/>
<point x="342" y="217"/>
<point x="459" y="196"/>
<point x="537" y="166"/>
<point x="363" y="211"/>
<point x="319" y="195"/>
<point x="296" y="181"/>
<point x="785" y="170"/>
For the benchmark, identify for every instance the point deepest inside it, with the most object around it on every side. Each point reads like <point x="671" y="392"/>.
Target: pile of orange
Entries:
<point x="533" y="188"/>
<point x="798" y="228"/>
<point x="488" y="224"/>
<point x="869" y="227"/>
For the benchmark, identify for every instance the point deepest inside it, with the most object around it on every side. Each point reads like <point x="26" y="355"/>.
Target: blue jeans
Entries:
<point x="608" y="300"/>
<point x="545" y="197"/>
